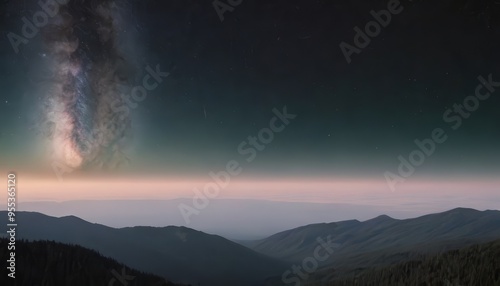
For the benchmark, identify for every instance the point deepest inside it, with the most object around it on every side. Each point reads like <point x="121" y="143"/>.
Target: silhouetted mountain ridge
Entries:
<point x="188" y="255"/>
<point x="383" y="239"/>
<point x="179" y="253"/>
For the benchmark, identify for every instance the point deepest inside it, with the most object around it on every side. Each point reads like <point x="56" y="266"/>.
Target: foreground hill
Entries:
<point x="189" y="256"/>
<point x="51" y="263"/>
<point x="475" y="265"/>
<point x="384" y="240"/>
<point x="179" y="253"/>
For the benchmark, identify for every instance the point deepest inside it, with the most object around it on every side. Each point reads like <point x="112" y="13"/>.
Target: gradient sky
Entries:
<point x="353" y="120"/>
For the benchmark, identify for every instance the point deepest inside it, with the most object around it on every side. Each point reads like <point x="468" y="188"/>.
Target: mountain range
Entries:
<point x="184" y="255"/>
<point x="179" y="253"/>
<point x="382" y="241"/>
<point x="273" y="216"/>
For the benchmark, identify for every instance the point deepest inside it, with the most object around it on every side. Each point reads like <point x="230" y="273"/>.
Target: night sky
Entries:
<point x="226" y="77"/>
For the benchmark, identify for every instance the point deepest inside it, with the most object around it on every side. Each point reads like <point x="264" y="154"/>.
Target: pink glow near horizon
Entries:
<point x="366" y="191"/>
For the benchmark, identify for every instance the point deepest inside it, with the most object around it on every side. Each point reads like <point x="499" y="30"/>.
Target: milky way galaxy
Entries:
<point x="88" y="73"/>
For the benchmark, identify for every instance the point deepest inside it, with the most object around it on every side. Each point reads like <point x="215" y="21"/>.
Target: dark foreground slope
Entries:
<point x="474" y="265"/>
<point x="178" y="253"/>
<point x="380" y="242"/>
<point x="54" y="264"/>
<point x="384" y="240"/>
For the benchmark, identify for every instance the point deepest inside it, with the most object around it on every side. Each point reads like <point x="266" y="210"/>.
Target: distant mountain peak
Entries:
<point x="72" y="217"/>
<point x="380" y="219"/>
<point x="463" y="210"/>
